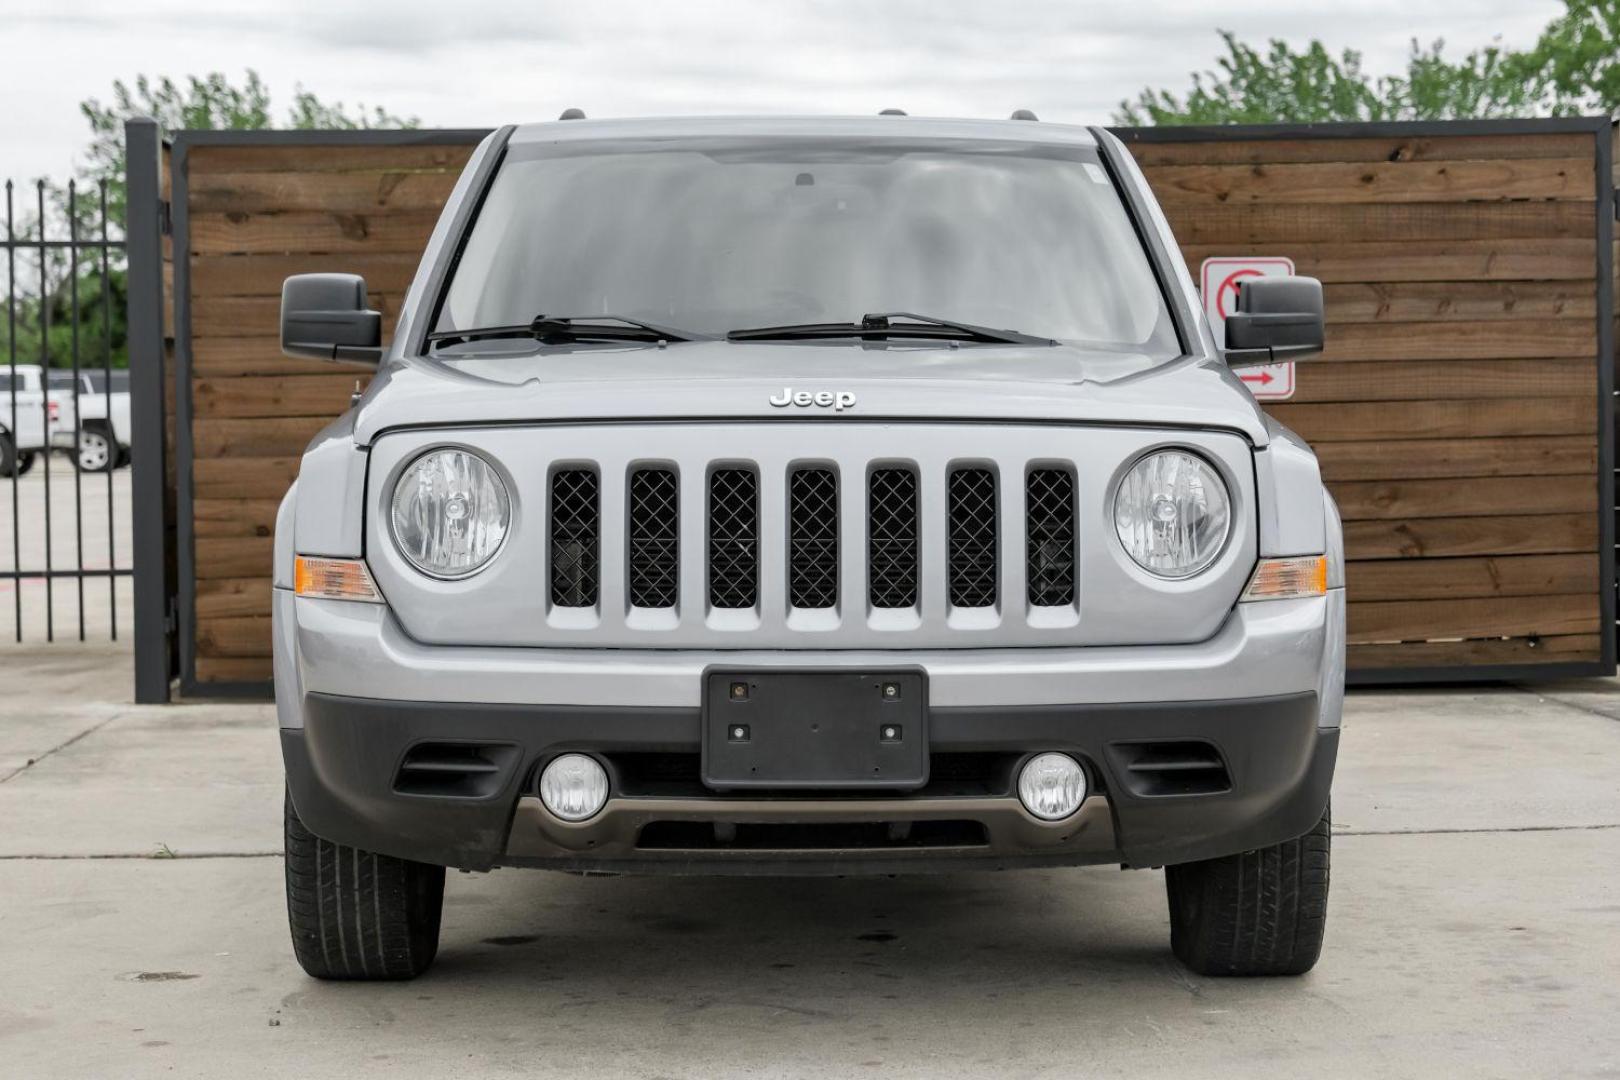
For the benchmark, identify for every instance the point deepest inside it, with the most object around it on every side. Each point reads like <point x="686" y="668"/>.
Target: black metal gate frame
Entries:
<point x="165" y="593"/>
<point x="101" y="248"/>
<point x="179" y="607"/>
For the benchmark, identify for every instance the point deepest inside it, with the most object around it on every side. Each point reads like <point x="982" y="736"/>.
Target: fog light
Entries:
<point x="573" y="787"/>
<point x="1052" y="786"/>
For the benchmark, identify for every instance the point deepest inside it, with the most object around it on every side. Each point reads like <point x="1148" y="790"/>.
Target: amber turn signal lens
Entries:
<point x="334" y="579"/>
<point x="1282" y="579"/>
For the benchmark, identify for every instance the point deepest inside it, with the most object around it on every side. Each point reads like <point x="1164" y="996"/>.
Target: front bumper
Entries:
<point x="355" y="695"/>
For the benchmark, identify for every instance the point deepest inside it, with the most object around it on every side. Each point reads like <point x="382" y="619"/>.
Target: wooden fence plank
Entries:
<point x="1383" y="149"/>
<point x="1406" y="459"/>
<point x="260" y="316"/>
<point x="1417" y="538"/>
<point x="323" y="396"/>
<point x="1457" y="301"/>
<point x="1564" y="648"/>
<point x="1447" y="260"/>
<point x="221" y="669"/>
<point x="234" y="517"/>
<point x="332" y="192"/>
<point x="1513" y="616"/>
<point x="227" y="357"/>
<point x="1380" y="181"/>
<point x="227" y="597"/>
<point x="234" y="636"/>
<point x="1319" y="381"/>
<point x="259" y="437"/>
<point x="262" y="275"/>
<point x="234" y="556"/>
<point x="243" y="478"/>
<point x="1395" y="500"/>
<point x="1439" y="579"/>
<point x="1464" y="340"/>
<point x="314" y="232"/>
<point x="1358" y="421"/>
<point x="1310" y="223"/>
<point x="332" y="157"/>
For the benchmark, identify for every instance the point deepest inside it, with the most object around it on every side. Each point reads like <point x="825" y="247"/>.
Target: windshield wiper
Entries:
<point x="882" y="325"/>
<point x="562" y="329"/>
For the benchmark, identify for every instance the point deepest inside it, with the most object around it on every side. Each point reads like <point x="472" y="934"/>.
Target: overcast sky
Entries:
<point x="466" y="63"/>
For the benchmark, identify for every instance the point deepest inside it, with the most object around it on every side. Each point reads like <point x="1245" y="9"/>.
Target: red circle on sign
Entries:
<point x="1230" y="284"/>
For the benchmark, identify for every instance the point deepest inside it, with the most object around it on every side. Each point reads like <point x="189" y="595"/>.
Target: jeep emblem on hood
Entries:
<point x="838" y="400"/>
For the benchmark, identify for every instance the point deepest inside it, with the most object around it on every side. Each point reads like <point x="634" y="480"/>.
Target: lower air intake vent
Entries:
<point x="574" y="533"/>
<point x="654" y="538"/>
<point x="973" y="538"/>
<point x="813" y="538"/>
<point x="1153" y="769"/>
<point x="733" y="538"/>
<point x="1049" y="513"/>
<point x="455" y="770"/>
<point x="891" y="521"/>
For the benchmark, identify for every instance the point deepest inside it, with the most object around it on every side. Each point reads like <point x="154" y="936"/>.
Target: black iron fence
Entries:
<point x="64" y="414"/>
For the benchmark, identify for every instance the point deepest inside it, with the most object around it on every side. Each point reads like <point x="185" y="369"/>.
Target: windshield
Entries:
<point x="710" y="236"/>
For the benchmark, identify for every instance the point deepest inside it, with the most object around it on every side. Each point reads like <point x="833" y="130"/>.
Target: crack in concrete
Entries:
<point x="1453" y="832"/>
<point x="1539" y="696"/>
<point x="176" y="856"/>
<point x="58" y="748"/>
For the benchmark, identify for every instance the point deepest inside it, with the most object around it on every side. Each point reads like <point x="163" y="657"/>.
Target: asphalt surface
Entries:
<point x="1474" y="927"/>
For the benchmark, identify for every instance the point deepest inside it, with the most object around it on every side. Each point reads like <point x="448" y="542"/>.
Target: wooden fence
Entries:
<point x="1456" y="411"/>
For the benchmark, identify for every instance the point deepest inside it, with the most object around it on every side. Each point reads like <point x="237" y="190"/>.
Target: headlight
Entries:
<point x="450" y="513"/>
<point x="1172" y="513"/>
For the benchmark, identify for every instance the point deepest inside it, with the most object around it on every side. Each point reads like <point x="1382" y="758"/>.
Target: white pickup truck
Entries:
<point x="23" y="417"/>
<point x="94" y="426"/>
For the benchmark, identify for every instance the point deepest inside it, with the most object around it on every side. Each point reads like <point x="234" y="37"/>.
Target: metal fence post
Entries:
<point x="154" y="630"/>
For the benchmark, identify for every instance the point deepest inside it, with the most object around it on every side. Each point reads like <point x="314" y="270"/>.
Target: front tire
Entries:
<point x="357" y="915"/>
<point x="1260" y="912"/>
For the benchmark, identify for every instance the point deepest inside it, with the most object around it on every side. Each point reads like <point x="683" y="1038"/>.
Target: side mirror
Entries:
<point x="1277" y="319"/>
<point x="324" y="317"/>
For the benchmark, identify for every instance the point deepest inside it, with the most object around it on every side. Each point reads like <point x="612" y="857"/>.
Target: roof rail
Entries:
<point x="1023" y="114"/>
<point x="572" y="114"/>
<point x="892" y="112"/>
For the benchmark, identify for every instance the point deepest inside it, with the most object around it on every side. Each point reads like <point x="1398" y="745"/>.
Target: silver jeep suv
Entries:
<point x="818" y="496"/>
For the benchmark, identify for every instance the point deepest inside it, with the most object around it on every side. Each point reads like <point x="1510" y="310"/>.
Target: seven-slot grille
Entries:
<point x="815" y="535"/>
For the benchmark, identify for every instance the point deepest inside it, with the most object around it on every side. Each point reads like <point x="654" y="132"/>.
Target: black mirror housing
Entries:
<point x="325" y="317"/>
<point x="1277" y="319"/>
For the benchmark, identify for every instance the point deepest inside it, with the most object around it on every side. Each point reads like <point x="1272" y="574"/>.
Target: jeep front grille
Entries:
<point x="1049" y="537"/>
<point x="973" y="536"/>
<point x="575" y="531"/>
<point x="733" y="538"/>
<point x="813" y="538"/>
<point x="655" y="538"/>
<point x="891" y="523"/>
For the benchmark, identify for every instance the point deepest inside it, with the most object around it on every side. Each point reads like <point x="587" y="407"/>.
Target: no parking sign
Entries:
<point x="1218" y="283"/>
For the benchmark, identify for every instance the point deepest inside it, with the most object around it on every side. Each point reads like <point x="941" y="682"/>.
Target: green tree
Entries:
<point x="44" y="323"/>
<point x="1573" y="67"/>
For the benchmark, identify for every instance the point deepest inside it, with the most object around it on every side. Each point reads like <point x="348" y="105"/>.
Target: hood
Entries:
<point x="511" y="382"/>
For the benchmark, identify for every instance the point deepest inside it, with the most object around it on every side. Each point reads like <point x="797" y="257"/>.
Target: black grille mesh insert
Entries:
<point x="973" y="538"/>
<point x="654" y="538"/>
<point x="575" y="551"/>
<point x="1049" y="518"/>
<point x="813" y="538"/>
<point x="733" y="538"/>
<point x="891" y="519"/>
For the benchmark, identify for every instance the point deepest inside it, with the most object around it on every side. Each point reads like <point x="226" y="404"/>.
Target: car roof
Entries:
<point x="863" y="127"/>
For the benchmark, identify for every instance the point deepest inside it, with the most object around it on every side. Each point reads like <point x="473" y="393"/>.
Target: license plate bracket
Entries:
<point x="815" y="729"/>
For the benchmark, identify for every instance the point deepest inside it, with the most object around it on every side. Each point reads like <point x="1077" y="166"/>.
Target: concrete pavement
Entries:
<point x="1474" y="927"/>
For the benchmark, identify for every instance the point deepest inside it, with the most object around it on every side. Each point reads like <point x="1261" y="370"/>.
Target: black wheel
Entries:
<point x="96" y="450"/>
<point x="356" y="914"/>
<point x="8" y="455"/>
<point x="25" y="461"/>
<point x="1262" y="912"/>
